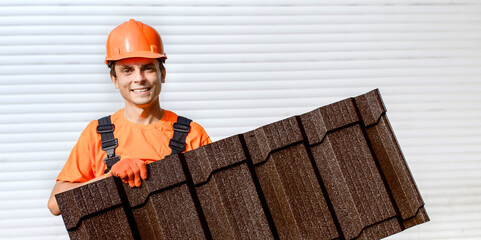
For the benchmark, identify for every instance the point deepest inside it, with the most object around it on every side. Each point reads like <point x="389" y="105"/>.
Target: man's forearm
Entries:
<point x="61" y="186"/>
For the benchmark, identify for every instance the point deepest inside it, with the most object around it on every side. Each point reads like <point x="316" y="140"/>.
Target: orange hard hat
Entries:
<point x="134" y="39"/>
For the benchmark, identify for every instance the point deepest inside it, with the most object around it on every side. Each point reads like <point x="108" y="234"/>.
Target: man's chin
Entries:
<point x="144" y="103"/>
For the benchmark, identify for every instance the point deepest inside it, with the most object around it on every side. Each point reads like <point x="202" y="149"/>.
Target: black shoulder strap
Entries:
<point x="181" y="129"/>
<point x="109" y="143"/>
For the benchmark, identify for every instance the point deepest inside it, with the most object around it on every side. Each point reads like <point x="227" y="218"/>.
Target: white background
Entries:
<point x="237" y="65"/>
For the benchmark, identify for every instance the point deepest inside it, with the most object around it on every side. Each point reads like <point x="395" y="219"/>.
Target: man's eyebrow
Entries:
<point x="125" y="66"/>
<point x="148" y="64"/>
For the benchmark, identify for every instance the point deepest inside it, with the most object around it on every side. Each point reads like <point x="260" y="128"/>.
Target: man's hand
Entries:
<point x="130" y="170"/>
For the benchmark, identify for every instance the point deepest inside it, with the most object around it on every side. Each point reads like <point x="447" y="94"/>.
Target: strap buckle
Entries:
<point x="177" y="145"/>
<point x="105" y="128"/>
<point x="109" y="144"/>
<point x="109" y="147"/>
<point x="179" y="127"/>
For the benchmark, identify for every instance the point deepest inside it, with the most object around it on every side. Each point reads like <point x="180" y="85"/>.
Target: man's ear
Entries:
<point x="114" y="80"/>
<point x="162" y="76"/>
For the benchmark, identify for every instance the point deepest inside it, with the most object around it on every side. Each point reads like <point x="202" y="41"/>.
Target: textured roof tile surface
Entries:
<point x="336" y="172"/>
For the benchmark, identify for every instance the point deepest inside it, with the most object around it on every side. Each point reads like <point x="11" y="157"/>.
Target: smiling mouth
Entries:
<point x="140" y="90"/>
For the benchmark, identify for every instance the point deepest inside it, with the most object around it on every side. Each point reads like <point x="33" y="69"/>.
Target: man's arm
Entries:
<point x="61" y="186"/>
<point x="130" y="170"/>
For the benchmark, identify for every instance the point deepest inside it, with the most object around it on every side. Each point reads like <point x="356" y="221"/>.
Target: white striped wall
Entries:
<point x="237" y="65"/>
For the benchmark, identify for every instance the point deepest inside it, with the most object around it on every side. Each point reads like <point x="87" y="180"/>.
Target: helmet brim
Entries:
<point x="137" y="54"/>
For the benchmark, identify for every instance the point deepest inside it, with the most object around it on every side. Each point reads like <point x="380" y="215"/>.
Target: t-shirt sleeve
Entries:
<point x="197" y="137"/>
<point x="79" y="166"/>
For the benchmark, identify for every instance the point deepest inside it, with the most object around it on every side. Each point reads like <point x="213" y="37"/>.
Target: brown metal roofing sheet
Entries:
<point x="336" y="172"/>
<point x="226" y="191"/>
<point x="287" y="179"/>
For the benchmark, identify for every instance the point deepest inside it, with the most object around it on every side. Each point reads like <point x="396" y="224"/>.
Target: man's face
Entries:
<point x="138" y="80"/>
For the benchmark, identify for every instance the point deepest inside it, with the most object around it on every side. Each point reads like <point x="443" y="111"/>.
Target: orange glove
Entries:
<point x="130" y="170"/>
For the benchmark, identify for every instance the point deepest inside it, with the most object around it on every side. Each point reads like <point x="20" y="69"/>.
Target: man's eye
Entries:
<point x="126" y="71"/>
<point x="150" y="68"/>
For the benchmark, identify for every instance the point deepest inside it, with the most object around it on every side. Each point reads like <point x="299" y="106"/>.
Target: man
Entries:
<point x="141" y="132"/>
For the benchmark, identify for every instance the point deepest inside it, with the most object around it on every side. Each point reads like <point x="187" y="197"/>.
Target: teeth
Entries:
<point x="140" y="90"/>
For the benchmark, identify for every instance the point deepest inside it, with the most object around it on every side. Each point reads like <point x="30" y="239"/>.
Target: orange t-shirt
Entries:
<point x="147" y="142"/>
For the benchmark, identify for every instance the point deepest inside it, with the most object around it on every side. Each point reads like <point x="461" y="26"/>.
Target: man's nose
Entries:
<point x="139" y="75"/>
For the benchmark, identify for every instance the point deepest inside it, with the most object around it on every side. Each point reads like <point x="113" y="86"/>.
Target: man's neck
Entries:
<point x="143" y="115"/>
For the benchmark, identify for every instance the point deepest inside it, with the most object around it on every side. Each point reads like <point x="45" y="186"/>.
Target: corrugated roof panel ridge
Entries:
<point x="336" y="172"/>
